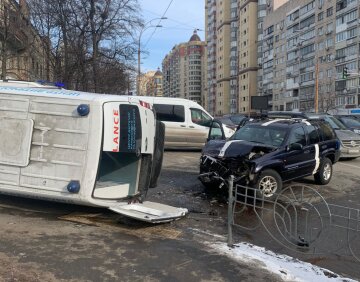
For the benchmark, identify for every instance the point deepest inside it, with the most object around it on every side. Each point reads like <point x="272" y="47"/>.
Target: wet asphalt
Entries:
<point x="44" y="241"/>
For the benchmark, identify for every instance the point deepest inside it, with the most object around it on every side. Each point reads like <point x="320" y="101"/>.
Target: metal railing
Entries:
<point x="298" y="218"/>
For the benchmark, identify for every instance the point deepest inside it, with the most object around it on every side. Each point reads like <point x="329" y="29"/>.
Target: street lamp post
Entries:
<point x="146" y="26"/>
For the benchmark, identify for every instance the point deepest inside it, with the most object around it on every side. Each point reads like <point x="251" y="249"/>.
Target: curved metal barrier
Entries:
<point x="298" y="218"/>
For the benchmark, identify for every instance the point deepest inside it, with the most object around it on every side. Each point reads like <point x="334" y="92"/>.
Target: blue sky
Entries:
<point x="183" y="17"/>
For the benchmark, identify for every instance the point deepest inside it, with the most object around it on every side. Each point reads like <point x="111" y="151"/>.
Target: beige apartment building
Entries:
<point x="144" y="81"/>
<point x="184" y="70"/>
<point x="220" y="36"/>
<point x="25" y="53"/>
<point x="234" y="52"/>
<point x="154" y="85"/>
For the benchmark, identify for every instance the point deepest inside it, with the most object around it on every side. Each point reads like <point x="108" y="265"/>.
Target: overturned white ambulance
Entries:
<point x="81" y="148"/>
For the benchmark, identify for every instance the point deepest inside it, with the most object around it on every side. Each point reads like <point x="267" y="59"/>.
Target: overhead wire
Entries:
<point x="171" y="1"/>
<point x="176" y="21"/>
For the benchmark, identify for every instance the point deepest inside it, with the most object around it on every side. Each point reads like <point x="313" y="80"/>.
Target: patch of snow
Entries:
<point x="288" y="268"/>
<point x="207" y="233"/>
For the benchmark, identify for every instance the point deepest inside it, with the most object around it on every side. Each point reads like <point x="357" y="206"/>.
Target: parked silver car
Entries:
<point x="350" y="141"/>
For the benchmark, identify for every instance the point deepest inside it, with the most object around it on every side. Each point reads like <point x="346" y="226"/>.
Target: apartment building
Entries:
<point x="184" y="70"/>
<point x="347" y="43"/>
<point x="307" y="44"/>
<point x="234" y="52"/>
<point x="222" y="56"/>
<point x="24" y="55"/>
<point x="144" y="80"/>
<point x="154" y="85"/>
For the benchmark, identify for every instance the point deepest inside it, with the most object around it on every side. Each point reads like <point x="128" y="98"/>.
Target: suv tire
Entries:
<point x="324" y="174"/>
<point x="270" y="181"/>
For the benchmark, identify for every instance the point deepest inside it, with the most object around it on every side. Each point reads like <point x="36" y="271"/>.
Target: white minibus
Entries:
<point x="186" y="122"/>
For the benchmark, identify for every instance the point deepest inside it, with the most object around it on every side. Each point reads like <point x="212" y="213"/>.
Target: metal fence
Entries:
<point x="298" y="218"/>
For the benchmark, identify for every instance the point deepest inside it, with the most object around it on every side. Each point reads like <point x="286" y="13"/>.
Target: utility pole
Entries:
<point x="144" y="27"/>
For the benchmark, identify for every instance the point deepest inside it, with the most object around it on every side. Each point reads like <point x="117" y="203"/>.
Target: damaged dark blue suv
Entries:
<point x="266" y="153"/>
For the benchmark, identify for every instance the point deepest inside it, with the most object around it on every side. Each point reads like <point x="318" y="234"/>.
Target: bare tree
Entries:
<point x="89" y="38"/>
<point x="327" y="102"/>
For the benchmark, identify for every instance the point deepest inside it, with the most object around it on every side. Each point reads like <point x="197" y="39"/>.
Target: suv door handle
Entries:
<point x="192" y="126"/>
<point x="182" y="125"/>
<point x="306" y="151"/>
<point x="323" y="146"/>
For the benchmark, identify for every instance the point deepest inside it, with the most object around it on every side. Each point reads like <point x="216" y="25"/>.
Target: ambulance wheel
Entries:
<point x="158" y="153"/>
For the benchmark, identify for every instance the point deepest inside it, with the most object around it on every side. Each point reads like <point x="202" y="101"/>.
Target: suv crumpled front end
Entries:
<point x="220" y="159"/>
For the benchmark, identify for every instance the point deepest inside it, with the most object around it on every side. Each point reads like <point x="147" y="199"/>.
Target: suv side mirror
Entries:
<point x="295" y="146"/>
<point x="216" y="131"/>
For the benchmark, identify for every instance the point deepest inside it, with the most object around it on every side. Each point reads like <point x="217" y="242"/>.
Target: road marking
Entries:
<point x="355" y="166"/>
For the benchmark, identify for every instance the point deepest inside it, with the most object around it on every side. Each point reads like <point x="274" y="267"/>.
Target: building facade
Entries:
<point x="234" y="53"/>
<point x="24" y="55"/>
<point x="144" y="81"/>
<point x="307" y="45"/>
<point x="299" y="47"/>
<point x="154" y="85"/>
<point x="184" y="70"/>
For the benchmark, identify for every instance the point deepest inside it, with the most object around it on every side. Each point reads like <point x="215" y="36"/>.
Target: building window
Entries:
<point x="329" y="12"/>
<point x="321" y="16"/>
<point x="329" y="72"/>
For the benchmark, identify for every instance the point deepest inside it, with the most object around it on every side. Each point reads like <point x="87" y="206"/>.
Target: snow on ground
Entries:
<point x="289" y="269"/>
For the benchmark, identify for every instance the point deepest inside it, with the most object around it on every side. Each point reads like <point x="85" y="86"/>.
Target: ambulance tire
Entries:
<point x="158" y="153"/>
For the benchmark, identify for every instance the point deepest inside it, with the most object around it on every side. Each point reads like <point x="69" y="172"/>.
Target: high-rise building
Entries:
<point x="299" y="56"/>
<point x="184" y="70"/>
<point x="24" y="54"/>
<point x="234" y="52"/>
<point x="221" y="39"/>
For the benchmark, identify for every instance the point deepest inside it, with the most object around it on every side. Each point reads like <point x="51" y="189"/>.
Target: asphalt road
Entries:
<point x="43" y="241"/>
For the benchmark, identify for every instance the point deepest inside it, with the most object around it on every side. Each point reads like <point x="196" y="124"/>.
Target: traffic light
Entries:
<point x="345" y="73"/>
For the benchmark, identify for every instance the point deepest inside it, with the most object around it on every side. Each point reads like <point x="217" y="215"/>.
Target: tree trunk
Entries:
<point x="3" y="60"/>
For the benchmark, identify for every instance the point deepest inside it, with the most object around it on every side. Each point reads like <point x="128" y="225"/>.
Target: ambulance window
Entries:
<point x="174" y="113"/>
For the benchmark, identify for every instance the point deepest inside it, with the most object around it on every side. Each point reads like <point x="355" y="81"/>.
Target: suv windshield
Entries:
<point x="261" y="134"/>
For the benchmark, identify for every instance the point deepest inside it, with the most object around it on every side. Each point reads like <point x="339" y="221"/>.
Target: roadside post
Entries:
<point x="230" y="241"/>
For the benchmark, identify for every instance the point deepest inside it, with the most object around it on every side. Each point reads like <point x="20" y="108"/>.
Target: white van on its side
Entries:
<point x="81" y="148"/>
<point x="186" y="122"/>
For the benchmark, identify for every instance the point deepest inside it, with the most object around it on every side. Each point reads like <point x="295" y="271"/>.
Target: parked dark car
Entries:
<point x="235" y="118"/>
<point x="266" y="153"/>
<point x="350" y="122"/>
<point x="227" y="121"/>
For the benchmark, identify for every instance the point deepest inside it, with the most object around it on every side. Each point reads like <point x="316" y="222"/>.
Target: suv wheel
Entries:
<point x="269" y="183"/>
<point x="324" y="173"/>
